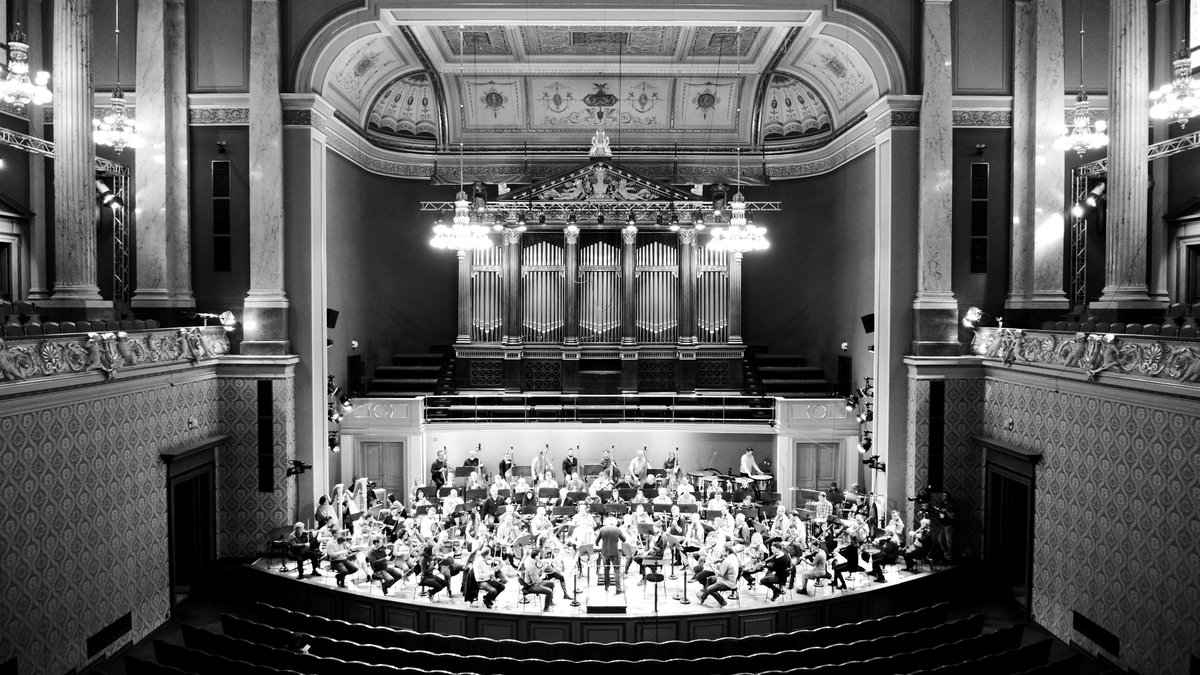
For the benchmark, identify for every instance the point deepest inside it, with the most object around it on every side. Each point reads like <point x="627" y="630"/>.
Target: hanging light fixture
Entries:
<point x="1084" y="133"/>
<point x="116" y="128"/>
<point x="17" y="88"/>
<point x="462" y="234"/>
<point x="1178" y="101"/>
<point x="740" y="236"/>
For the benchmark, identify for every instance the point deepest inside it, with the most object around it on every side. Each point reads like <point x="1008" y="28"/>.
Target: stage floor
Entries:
<point x="635" y="601"/>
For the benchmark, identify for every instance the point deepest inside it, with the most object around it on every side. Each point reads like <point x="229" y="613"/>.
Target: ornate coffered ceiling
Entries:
<point x="752" y="76"/>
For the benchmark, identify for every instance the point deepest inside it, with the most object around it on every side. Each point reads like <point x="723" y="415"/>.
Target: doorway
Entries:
<point x="192" y="528"/>
<point x="1008" y="531"/>
<point x="383" y="464"/>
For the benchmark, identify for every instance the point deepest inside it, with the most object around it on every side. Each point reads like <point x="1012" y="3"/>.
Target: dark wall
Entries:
<point x="807" y="292"/>
<point x="301" y="20"/>
<point x="1095" y="46"/>
<point x="984" y="289"/>
<point x="219" y="290"/>
<point x="983" y="53"/>
<point x="900" y="20"/>
<point x="104" y="61"/>
<point x="218" y="43"/>
<point x="395" y="293"/>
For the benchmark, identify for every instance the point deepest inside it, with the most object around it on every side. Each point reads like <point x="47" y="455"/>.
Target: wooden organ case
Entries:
<point x="599" y="283"/>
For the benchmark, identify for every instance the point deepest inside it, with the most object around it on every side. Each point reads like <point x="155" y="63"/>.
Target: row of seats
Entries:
<point x="1163" y="330"/>
<point x="32" y="329"/>
<point x="965" y="633"/>
<point x="382" y="636"/>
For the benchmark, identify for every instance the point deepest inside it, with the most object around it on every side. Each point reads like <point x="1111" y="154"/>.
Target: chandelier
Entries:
<point x="1084" y="133"/>
<point x="462" y="234"/>
<point x="1179" y="100"/>
<point x="17" y="88"/>
<point x="741" y="236"/>
<point x="116" y="128"/>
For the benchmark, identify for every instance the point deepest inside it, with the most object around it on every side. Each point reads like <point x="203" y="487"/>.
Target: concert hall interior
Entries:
<point x="852" y="318"/>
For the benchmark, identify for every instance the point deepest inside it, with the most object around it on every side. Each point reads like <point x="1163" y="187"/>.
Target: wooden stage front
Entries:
<point x="753" y="615"/>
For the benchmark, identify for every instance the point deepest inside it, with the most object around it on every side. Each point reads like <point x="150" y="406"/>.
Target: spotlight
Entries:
<point x="228" y="321"/>
<point x="541" y="219"/>
<point x="332" y="389"/>
<point x="334" y="415"/>
<point x="1095" y="195"/>
<point x="335" y="443"/>
<point x="521" y="219"/>
<point x="346" y="402"/>
<point x="630" y="219"/>
<point x="1077" y="210"/>
<point x="718" y="200"/>
<point x="298" y="468"/>
<point x="852" y="402"/>
<point x="571" y="218"/>
<point x="864" y="445"/>
<point x="975" y="315"/>
<point x="866" y="415"/>
<point x="659" y="220"/>
<point x="600" y="218"/>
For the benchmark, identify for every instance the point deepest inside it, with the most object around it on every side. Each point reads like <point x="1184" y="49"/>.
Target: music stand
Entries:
<point x="477" y="495"/>
<point x="664" y="508"/>
<point x="590" y="471"/>
<point x="444" y="492"/>
<point x="505" y="493"/>
<point x="547" y="493"/>
<point x="523" y="470"/>
<point x="645" y="528"/>
<point x="626" y="493"/>
<point x="597" y="508"/>
<point x="577" y="496"/>
<point x="689" y="508"/>
<point x="604" y="495"/>
<point x="528" y="510"/>
<point x="711" y="515"/>
<point x="563" y="511"/>
<point x="616" y="509"/>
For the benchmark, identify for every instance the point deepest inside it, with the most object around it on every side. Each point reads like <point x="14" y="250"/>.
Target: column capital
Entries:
<point x="512" y="236"/>
<point x="687" y="236"/>
<point x="571" y="235"/>
<point x="629" y="236"/>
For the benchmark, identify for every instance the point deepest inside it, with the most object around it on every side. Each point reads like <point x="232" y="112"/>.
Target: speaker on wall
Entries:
<point x="868" y="321"/>
<point x="331" y="316"/>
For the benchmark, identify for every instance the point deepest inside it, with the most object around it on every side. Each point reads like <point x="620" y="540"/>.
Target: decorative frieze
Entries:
<point x="219" y="116"/>
<point x="107" y="352"/>
<point x="1091" y="353"/>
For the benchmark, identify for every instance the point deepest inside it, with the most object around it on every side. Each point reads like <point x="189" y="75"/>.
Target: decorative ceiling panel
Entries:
<point x="565" y="103"/>
<point x="406" y="106"/>
<point x="706" y="104"/>
<point x="723" y="41"/>
<point x="493" y="103"/>
<point x="792" y="109"/>
<point x="476" y="41"/>
<point x="357" y="70"/>
<point x="842" y="72"/>
<point x="633" y="41"/>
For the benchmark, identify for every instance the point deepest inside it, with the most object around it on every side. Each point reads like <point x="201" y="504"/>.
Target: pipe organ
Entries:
<point x="616" y="295"/>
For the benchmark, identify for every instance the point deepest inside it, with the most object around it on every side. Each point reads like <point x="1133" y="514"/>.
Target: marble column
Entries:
<point x="1048" y="168"/>
<point x="39" y="226"/>
<point x="161" y="168"/>
<point x="687" y="287"/>
<point x="935" y="331"/>
<point x="464" y="298"/>
<point x="75" y="284"/>
<point x="265" y="311"/>
<point x="1165" y="50"/>
<point x="571" y="326"/>
<point x="735" y="298"/>
<point x="1020" y="279"/>
<point x="511" y="333"/>
<point x="1128" y="177"/>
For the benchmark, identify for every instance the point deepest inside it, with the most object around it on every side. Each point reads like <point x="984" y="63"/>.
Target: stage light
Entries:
<point x="541" y="219"/>
<point x="866" y="415"/>
<point x="630" y="220"/>
<point x="228" y="321"/>
<point x="659" y="219"/>
<point x="335" y="443"/>
<point x="521" y="219"/>
<point x="975" y="315"/>
<point x="334" y="415"/>
<point x="297" y="468"/>
<point x="1093" y="197"/>
<point x="1077" y="210"/>
<point x="332" y="389"/>
<point x="600" y="218"/>
<point x="571" y="218"/>
<point x="346" y="402"/>
<point x="864" y="445"/>
<point x="852" y="402"/>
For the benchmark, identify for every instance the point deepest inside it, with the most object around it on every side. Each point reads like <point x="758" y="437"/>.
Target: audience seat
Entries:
<point x="83" y="326"/>
<point x="139" y="324"/>
<point x="136" y="666"/>
<point x="68" y="327"/>
<point x="51" y="328"/>
<point x="14" y="330"/>
<point x="151" y="323"/>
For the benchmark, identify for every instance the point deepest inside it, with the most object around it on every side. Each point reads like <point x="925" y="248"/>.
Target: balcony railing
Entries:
<point x="601" y="408"/>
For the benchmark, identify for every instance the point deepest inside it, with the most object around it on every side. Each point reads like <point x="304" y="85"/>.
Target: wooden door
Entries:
<point x="382" y="462"/>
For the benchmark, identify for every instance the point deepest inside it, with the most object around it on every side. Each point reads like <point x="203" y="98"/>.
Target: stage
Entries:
<point x="631" y="616"/>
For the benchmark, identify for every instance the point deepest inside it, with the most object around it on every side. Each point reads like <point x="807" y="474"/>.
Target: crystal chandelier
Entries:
<point x="462" y="234"/>
<point x="1084" y="133"/>
<point x="741" y="236"/>
<point x="17" y="88"/>
<point x="1179" y="100"/>
<point x="116" y="128"/>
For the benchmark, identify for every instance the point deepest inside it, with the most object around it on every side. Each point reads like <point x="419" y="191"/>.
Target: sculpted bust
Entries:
<point x="600" y="145"/>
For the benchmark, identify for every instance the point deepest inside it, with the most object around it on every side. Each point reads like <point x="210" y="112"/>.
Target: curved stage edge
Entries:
<point x="674" y="621"/>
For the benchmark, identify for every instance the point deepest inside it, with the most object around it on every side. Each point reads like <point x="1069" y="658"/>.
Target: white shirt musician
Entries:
<point x="822" y="509"/>
<point x="663" y="497"/>
<point x="576" y="484"/>
<point x="540" y="523"/>
<point x="685" y="498"/>
<point x="639" y="466"/>
<point x="749" y="467"/>
<point x="673" y="468"/>
<point x="451" y="502"/>
<point x="716" y="502"/>
<point x="542" y="465"/>
<point x="474" y="482"/>
<point x="547" y="480"/>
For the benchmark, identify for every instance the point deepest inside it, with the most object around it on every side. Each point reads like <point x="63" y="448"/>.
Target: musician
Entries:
<point x="741" y="531"/>
<point x="570" y="465"/>
<point x="831" y="530"/>
<point x="323" y="513"/>
<point x="640" y="516"/>
<point x="656" y="549"/>
<point x="816" y="556"/>
<point x="889" y="552"/>
<point x="601" y="483"/>
<point x="506" y="465"/>
<point x="439" y="471"/>
<point x="748" y="504"/>
<point x="822" y="509"/>
<point x="685" y="497"/>
<point x="725" y="579"/>
<point x="943" y="511"/>
<point x="779" y="566"/>
<point x="639" y="498"/>
<point x="521" y="490"/>
<point x="338" y="552"/>
<point x="563" y="499"/>
<point x="609" y="540"/>
<point x="575" y="484"/>
<point x="716" y="502"/>
<point x="302" y="545"/>
<point x="429" y="568"/>
<point x="488" y="576"/>
<point x="474" y="482"/>
<point x="540" y="525"/>
<point x="861" y="529"/>
<point x="662" y="497"/>
<point x="542" y="465"/>
<point x="836" y="496"/>
<point x="673" y="467"/>
<point x="780" y="525"/>
<point x="918" y="549"/>
<point x="638" y="467"/>
<point x="451" y="502"/>
<point x="846" y="560"/>
<point x="609" y="467"/>
<point x="549" y="548"/>
<point x="749" y="469"/>
<point x="472" y="459"/>
<point x="547" y="480"/>
<point x="532" y="580"/>
<point x="380" y="560"/>
<point x="895" y="525"/>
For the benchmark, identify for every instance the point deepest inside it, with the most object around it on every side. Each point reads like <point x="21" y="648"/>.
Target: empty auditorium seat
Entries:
<point x="1116" y="327"/>
<point x="51" y="328"/>
<point x="136" y="666"/>
<point x="125" y="324"/>
<point x="1088" y="326"/>
<point x="151" y="323"/>
<point x="1060" y="325"/>
<point x="139" y="324"/>
<point x="13" y="330"/>
<point x="1133" y="328"/>
<point x="68" y="327"/>
<point x="32" y="329"/>
<point x="1151" y="329"/>
<point x="83" y="327"/>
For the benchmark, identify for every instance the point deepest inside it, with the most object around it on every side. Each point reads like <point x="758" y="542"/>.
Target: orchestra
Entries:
<point x="543" y="530"/>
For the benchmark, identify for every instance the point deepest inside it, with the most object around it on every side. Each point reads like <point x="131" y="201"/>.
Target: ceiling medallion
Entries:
<point x="493" y="99"/>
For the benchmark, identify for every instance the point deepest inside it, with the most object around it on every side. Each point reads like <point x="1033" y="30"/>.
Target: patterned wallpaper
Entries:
<point x="916" y="469"/>
<point x="1116" y="533"/>
<point x="245" y="515"/>
<point x="84" y="528"/>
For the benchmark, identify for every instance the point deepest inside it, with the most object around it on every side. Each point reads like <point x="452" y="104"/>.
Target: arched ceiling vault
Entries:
<point x="433" y="76"/>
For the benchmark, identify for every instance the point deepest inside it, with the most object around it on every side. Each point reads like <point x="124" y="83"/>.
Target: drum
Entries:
<point x="762" y="481"/>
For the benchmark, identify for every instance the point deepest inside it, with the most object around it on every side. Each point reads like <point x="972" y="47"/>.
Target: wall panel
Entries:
<point x="218" y="42"/>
